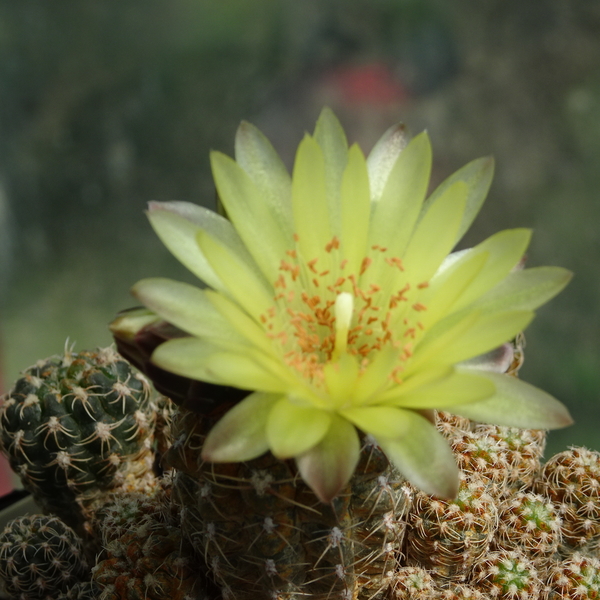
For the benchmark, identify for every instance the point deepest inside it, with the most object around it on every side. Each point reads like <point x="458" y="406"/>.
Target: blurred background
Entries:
<point x="105" y="105"/>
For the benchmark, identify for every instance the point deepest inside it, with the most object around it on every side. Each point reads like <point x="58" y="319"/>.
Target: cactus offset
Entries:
<point x="571" y="479"/>
<point x="76" y="426"/>
<point x="449" y="537"/>
<point x="40" y="556"/>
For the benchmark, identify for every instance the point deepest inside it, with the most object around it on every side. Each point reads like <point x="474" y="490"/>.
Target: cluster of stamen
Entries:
<point x="305" y="295"/>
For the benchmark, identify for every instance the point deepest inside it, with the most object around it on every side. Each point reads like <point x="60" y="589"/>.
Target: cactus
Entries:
<point x="508" y="575"/>
<point x="40" y="556"/>
<point x="150" y="562"/>
<point x="575" y="578"/>
<point x="293" y="544"/>
<point x="449" y="537"/>
<point x="571" y="479"/>
<point x="76" y="426"/>
<point x="530" y="523"/>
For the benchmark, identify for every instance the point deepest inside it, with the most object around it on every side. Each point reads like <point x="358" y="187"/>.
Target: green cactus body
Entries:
<point x="265" y="535"/>
<point x="40" y="556"/>
<point x="571" y="479"/>
<point x="77" y="425"/>
<point x="448" y="537"/>
<point x="508" y="575"/>
<point x="576" y="578"/>
<point x="151" y="562"/>
<point x="413" y="583"/>
<point x="521" y="453"/>
<point x="530" y="523"/>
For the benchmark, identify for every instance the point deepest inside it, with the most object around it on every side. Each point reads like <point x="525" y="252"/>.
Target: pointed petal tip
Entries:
<point x="327" y="494"/>
<point x="449" y="491"/>
<point x="154" y="205"/>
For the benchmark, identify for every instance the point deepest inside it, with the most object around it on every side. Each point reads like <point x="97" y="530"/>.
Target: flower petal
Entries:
<point x="525" y="290"/>
<point x="486" y="333"/>
<point x="251" y="370"/>
<point x="516" y="404"/>
<point x="255" y="154"/>
<point x="188" y="357"/>
<point x="355" y="210"/>
<point x="186" y="307"/>
<point x="423" y="456"/>
<point x="446" y="287"/>
<point x="477" y="175"/>
<point x="254" y="219"/>
<point x="340" y="378"/>
<point x="376" y="376"/>
<point x="434" y="235"/>
<point x="416" y="380"/>
<point x="199" y="359"/>
<point x="309" y="200"/>
<point x="385" y="421"/>
<point x="241" y="433"/>
<point x="459" y="388"/>
<point x="498" y="360"/>
<point x="245" y="326"/>
<point x="328" y="466"/>
<point x="383" y="157"/>
<point x="244" y="284"/>
<point x="330" y="135"/>
<point x="395" y="214"/>
<point x="505" y="249"/>
<point x="177" y="223"/>
<point x="293" y="429"/>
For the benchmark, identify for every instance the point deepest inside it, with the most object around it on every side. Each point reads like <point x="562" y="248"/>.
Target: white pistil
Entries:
<point x="344" y="306"/>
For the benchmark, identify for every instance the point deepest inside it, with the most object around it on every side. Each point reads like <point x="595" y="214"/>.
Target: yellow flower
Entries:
<point x="334" y="296"/>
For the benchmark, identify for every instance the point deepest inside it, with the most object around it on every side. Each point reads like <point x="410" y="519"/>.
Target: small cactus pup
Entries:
<point x="449" y="537"/>
<point x="335" y="299"/>
<point x="76" y="426"/>
<point x="40" y="557"/>
<point x="144" y="554"/>
<point x="571" y="479"/>
<point x="508" y="575"/>
<point x="577" y="577"/>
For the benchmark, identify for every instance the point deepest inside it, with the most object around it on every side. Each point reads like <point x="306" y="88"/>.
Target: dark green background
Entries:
<point x="106" y="105"/>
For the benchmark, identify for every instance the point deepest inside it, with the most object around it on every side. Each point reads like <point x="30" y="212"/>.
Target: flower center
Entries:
<point x="321" y="310"/>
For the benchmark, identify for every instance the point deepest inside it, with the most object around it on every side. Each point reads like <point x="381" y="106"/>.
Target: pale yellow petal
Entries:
<point x="293" y="429"/>
<point x="424" y="458"/>
<point x="254" y="219"/>
<point x="457" y="389"/>
<point x="241" y="434"/>
<point x="250" y="371"/>
<point x="477" y="176"/>
<point x="309" y="200"/>
<point x="395" y="214"/>
<point x="505" y="249"/>
<point x="355" y="210"/>
<point x="239" y="320"/>
<point x="330" y="135"/>
<point x="243" y="283"/>
<point x="255" y="154"/>
<point x="449" y="285"/>
<point x="434" y="236"/>
<point x="386" y="421"/>
<point x="486" y="333"/>
<point x="188" y="308"/>
<point x="383" y="157"/>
